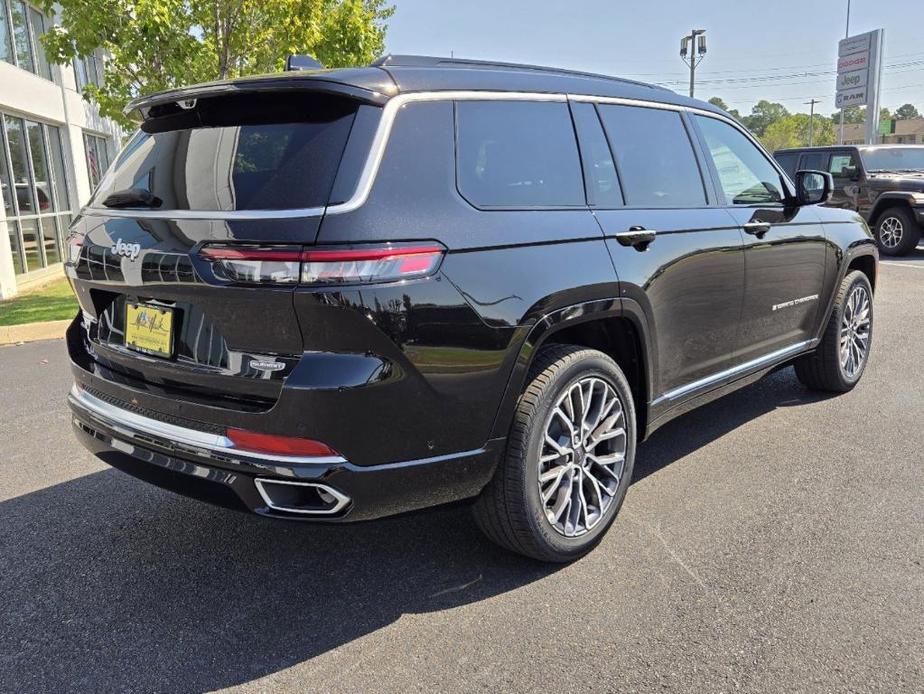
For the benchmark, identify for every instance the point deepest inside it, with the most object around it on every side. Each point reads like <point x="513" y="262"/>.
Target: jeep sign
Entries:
<point x="859" y="65"/>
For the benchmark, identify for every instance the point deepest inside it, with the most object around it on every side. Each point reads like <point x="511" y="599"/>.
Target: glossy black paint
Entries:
<point x="415" y="383"/>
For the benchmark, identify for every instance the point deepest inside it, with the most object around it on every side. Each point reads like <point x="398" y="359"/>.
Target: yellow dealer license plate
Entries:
<point x="149" y="329"/>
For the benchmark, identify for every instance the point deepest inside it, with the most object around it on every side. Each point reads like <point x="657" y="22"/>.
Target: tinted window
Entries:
<point x="839" y="162"/>
<point x="657" y="167"/>
<point x="813" y="161"/>
<point x="517" y="154"/>
<point x="599" y="169"/>
<point x="281" y="154"/>
<point x="788" y="161"/>
<point x="746" y="176"/>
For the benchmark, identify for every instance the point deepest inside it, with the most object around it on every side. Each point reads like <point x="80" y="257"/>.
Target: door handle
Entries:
<point x="757" y="229"/>
<point x="638" y="237"/>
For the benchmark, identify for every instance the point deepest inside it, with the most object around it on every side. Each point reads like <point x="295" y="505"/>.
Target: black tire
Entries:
<point x="900" y="221"/>
<point x="510" y="511"/>
<point x="823" y="370"/>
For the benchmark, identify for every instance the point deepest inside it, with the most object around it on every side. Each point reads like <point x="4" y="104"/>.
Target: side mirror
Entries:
<point x="813" y="187"/>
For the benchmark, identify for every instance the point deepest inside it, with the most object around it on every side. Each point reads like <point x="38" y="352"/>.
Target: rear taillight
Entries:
<point x="320" y="266"/>
<point x="355" y="265"/>
<point x="254" y="264"/>
<point x="254" y="442"/>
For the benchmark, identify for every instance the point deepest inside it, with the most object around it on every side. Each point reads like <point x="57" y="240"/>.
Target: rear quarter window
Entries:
<point x="517" y="154"/>
<point x="268" y="154"/>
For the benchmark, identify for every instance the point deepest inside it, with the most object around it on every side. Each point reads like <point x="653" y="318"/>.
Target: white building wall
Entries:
<point x="31" y="96"/>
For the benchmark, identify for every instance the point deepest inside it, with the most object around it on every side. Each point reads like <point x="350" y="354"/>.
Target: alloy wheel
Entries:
<point x="582" y="456"/>
<point x="855" y="331"/>
<point x="891" y="231"/>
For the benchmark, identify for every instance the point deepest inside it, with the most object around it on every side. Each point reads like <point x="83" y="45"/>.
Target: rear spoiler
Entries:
<point x="185" y="97"/>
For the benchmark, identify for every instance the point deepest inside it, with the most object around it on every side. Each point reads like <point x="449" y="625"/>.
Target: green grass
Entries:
<point x="54" y="301"/>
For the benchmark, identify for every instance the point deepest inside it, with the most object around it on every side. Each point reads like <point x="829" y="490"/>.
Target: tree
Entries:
<point x="906" y="111"/>
<point x="793" y="131"/>
<point x="159" y="44"/>
<point x="852" y="114"/>
<point x="717" y="101"/>
<point x="762" y="115"/>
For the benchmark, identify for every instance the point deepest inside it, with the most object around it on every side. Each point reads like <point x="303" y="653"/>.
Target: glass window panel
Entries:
<point x="50" y="241"/>
<point x="788" y="161"/>
<point x="657" y="167"/>
<point x="599" y="170"/>
<point x="6" y="42"/>
<point x="93" y="163"/>
<point x="6" y="188"/>
<point x="747" y="177"/>
<point x="518" y="154"/>
<point x="38" y="30"/>
<point x="21" y="36"/>
<point x="25" y="197"/>
<point x="30" y="244"/>
<point x="56" y="152"/>
<point x="15" y="247"/>
<point x="814" y="161"/>
<point x="40" y="165"/>
<point x="80" y="71"/>
<point x="841" y="161"/>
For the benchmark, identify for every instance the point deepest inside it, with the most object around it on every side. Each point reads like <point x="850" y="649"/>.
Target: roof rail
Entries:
<point x="390" y="60"/>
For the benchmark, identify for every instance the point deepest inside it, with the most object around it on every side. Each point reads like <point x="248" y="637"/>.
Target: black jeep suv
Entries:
<point x="884" y="183"/>
<point x="338" y="295"/>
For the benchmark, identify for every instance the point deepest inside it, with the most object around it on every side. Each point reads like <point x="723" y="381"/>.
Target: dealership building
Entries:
<point x="54" y="146"/>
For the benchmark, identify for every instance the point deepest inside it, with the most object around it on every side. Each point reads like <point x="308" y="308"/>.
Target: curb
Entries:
<point x="31" y="332"/>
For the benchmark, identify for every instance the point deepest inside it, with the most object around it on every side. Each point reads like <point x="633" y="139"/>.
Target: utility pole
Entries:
<point x="693" y="46"/>
<point x="811" y="105"/>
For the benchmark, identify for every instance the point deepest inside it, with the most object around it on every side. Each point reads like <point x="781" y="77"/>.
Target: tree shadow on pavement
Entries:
<point x="111" y="584"/>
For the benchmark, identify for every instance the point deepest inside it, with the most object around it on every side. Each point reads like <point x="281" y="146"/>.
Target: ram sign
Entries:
<point x="859" y="65"/>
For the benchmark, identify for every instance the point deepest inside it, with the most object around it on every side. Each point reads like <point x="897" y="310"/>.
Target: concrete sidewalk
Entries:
<point x="30" y="332"/>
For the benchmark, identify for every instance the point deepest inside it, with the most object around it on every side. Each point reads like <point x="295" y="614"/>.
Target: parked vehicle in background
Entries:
<point x="339" y="295"/>
<point x="884" y="183"/>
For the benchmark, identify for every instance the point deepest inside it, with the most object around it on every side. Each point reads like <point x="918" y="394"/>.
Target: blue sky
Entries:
<point x="777" y="41"/>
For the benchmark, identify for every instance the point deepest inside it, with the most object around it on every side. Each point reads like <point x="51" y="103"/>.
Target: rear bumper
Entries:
<point x="198" y="464"/>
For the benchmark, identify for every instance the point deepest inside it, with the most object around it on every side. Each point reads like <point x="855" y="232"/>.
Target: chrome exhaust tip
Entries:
<point x="306" y="498"/>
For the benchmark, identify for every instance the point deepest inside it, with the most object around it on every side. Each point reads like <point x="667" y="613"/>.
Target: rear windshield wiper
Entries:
<point x="132" y="197"/>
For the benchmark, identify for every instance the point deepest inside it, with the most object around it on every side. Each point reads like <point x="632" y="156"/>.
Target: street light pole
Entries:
<point x="811" y="105"/>
<point x="840" y="137"/>
<point x="693" y="46"/>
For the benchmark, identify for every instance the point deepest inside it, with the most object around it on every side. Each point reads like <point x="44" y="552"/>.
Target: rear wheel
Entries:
<point x="839" y="361"/>
<point x="569" y="458"/>
<point x="897" y="232"/>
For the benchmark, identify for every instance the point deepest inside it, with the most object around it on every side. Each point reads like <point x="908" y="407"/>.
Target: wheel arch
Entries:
<point x="616" y="327"/>
<point x="892" y="198"/>
<point x="868" y="265"/>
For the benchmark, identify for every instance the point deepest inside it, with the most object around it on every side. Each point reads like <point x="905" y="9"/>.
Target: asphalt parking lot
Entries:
<point x="771" y="541"/>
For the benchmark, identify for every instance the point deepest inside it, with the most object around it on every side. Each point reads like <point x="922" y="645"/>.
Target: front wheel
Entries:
<point x="897" y="232"/>
<point x="569" y="458"/>
<point x="840" y="359"/>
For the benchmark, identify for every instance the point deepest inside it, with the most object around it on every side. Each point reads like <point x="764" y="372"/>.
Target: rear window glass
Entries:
<point x="518" y="154"/>
<point x="788" y="161"/>
<point x="657" y="167"/>
<point x="814" y="161"/>
<point x="280" y="156"/>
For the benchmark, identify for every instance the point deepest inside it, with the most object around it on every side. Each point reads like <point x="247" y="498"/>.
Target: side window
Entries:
<point x="788" y="161"/>
<point x="841" y="161"/>
<point x="599" y="170"/>
<point x="517" y="154"/>
<point x="654" y="157"/>
<point x="746" y="176"/>
<point x="813" y="161"/>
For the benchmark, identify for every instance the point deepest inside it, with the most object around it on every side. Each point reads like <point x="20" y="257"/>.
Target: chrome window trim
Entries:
<point x="380" y="141"/>
<point x="129" y="424"/>
<point x="739" y="370"/>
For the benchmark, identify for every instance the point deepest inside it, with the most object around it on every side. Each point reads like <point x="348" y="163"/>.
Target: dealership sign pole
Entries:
<point x="859" y="73"/>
